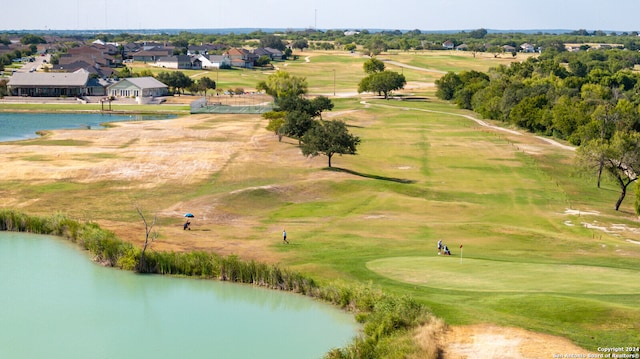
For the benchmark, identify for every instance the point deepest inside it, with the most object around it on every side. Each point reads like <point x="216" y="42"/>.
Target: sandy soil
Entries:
<point x="152" y="153"/>
<point x="487" y="342"/>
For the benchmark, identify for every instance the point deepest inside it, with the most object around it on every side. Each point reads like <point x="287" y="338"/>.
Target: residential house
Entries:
<point x="151" y="55"/>
<point x="508" y="48"/>
<point x="142" y="88"/>
<point x="128" y="49"/>
<point x="273" y="54"/>
<point x="276" y="55"/>
<point x="214" y="61"/>
<point x="527" y="47"/>
<point x="448" y="45"/>
<point x="204" y="49"/>
<point x="179" y="62"/>
<point x="149" y="45"/>
<point x="52" y="84"/>
<point x="462" y="47"/>
<point x="95" y="69"/>
<point x="241" y="57"/>
<point x="91" y="52"/>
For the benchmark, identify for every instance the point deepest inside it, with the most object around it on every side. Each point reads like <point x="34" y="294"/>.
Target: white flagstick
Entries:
<point x="461" y="254"/>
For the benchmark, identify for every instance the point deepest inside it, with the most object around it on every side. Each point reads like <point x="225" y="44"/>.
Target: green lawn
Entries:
<point x="483" y="275"/>
<point x="423" y="176"/>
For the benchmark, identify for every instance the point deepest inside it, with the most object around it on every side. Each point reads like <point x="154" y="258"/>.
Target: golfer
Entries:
<point x="439" y="247"/>
<point x="284" y="236"/>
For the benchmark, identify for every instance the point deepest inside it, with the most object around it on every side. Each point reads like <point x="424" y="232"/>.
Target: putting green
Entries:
<point x="497" y="276"/>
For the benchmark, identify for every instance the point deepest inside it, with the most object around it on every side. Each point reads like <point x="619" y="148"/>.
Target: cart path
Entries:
<point x="478" y="121"/>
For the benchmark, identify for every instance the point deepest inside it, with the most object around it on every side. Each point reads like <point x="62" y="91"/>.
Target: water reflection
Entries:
<point x="21" y="126"/>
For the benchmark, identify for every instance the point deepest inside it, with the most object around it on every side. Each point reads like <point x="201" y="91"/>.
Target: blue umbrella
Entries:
<point x="189" y="215"/>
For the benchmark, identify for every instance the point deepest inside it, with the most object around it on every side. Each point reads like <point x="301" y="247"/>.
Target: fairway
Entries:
<point x="481" y="275"/>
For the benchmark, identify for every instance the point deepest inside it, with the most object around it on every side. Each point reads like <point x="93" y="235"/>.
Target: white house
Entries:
<point x="179" y="62"/>
<point x="142" y="88"/>
<point x="448" y="45"/>
<point x="214" y="61"/>
<point x="527" y="47"/>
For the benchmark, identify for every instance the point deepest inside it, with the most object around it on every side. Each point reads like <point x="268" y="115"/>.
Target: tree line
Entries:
<point x="371" y="42"/>
<point x="588" y="98"/>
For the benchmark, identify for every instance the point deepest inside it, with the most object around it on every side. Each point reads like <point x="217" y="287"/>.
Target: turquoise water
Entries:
<point x="21" y="126"/>
<point x="56" y="303"/>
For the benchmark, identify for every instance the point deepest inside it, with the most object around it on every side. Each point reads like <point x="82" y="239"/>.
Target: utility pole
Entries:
<point x="334" y="82"/>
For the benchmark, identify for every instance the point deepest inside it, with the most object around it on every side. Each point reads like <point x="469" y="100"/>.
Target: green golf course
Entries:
<point x="543" y="247"/>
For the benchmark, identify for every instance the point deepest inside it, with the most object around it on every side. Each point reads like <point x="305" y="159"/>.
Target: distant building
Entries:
<point x="273" y="54"/>
<point x="527" y="47"/>
<point x="54" y="84"/>
<point x="138" y="87"/>
<point x="179" y="62"/>
<point x="241" y="57"/>
<point x="214" y="61"/>
<point x="151" y="55"/>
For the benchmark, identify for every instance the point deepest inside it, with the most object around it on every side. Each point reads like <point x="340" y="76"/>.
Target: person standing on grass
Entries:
<point x="284" y="236"/>
<point x="439" y="247"/>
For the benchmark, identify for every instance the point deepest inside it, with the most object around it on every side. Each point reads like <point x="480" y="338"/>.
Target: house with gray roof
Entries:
<point x="151" y="55"/>
<point x="214" y="61"/>
<point x="141" y="88"/>
<point x="273" y="54"/>
<point x="179" y="62"/>
<point x="52" y="84"/>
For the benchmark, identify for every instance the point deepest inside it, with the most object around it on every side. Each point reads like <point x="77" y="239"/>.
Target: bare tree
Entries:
<point x="149" y="237"/>
<point x="619" y="157"/>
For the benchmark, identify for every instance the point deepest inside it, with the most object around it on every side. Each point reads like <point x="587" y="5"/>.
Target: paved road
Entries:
<point x="37" y="64"/>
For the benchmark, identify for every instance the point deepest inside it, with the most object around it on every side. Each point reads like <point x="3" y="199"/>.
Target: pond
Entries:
<point x="21" y="126"/>
<point x="56" y="303"/>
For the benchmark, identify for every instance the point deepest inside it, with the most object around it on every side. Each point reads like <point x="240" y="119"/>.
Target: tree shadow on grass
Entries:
<point x="366" y="175"/>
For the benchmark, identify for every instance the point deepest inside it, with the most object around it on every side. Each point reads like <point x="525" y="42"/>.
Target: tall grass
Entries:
<point x="389" y="321"/>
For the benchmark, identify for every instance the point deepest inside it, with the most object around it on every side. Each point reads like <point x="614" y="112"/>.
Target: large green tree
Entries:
<point x="272" y="41"/>
<point x="296" y="124"/>
<point x="373" y="66"/>
<point x="276" y="121"/>
<point x="382" y="83"/>
<point x="329" y="138"/>
<point x="32" y="39"/>
<point x="375" y="46"/>
<point x="300" y="44"/>
<point x="176" y="80"/>
<point x="206" y="83"/>
<point x="281" y="85"/>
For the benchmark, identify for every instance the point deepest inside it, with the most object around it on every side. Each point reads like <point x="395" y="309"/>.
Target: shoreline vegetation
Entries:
<point x="389" y="322"/>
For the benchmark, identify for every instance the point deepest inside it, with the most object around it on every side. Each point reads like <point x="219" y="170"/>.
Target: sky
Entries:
<point x="322" y="14"/>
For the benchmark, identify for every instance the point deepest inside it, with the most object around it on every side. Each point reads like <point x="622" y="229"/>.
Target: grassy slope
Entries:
<point x="419" y="177"/>
<point x="474" y="188"/>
